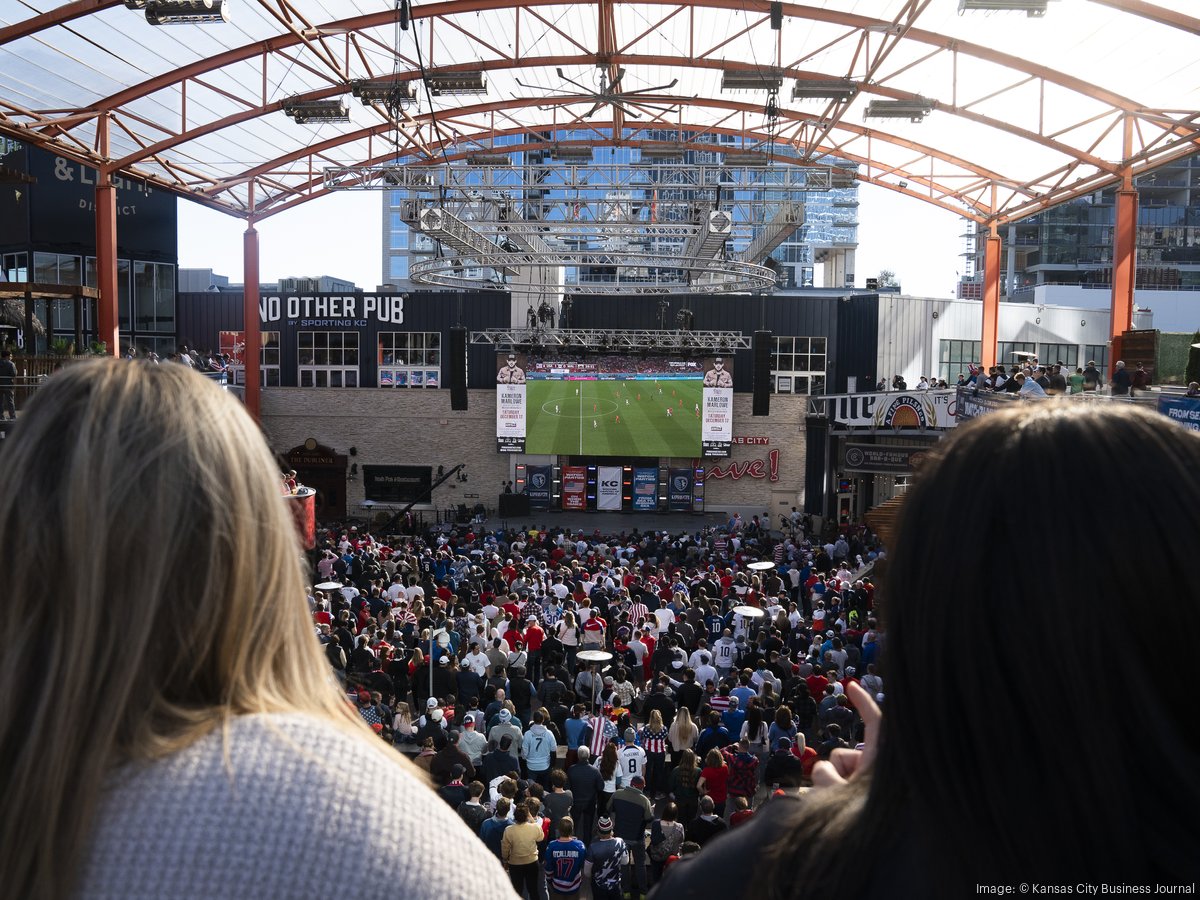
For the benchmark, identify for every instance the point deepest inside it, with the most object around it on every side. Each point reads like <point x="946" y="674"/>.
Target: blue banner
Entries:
<point x="1184" y="410"/>
<point x="538" y="487"/>
<point x="679" y="490"/>
<point x="645" y="489"/>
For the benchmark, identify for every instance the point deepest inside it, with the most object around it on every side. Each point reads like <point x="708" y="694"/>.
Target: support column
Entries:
<point x="991" y="299"/>
<point x="1124" y="275"/>
<point x="106" y="249"/>
<point x="251" y="327"/>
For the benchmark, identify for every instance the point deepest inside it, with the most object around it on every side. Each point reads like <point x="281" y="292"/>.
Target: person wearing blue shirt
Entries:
<point x="734" y="716"/>
<point x="564" y="861"/>
<point x="537" y="748"/>
<point x="492" y="830"/>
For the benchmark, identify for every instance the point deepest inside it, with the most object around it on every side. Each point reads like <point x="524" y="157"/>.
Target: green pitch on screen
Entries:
<point x="613" y="418"/>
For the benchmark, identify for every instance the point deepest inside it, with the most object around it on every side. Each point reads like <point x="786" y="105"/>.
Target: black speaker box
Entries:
<point x="458" y="367"/>
<point x="762" y="373"/>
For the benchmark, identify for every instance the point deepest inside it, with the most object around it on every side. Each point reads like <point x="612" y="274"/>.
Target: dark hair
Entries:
<point x="949" y="786"/>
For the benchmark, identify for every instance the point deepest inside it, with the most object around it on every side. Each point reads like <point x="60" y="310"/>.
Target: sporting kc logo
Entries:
<point x="680" y="483"/>
<point x="538" y="481"/>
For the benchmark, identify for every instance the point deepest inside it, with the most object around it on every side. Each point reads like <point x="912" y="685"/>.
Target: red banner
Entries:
<point x="574" y="487"/>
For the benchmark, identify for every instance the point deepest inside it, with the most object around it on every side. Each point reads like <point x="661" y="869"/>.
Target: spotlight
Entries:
<point x="305" y="111"/>
<point x="185" y="12"/>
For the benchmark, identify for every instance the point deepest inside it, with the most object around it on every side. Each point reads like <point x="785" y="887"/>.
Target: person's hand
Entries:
<point x="844" y="766"/>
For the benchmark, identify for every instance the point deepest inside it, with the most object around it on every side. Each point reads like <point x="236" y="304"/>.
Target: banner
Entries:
<point x="574" y="487"/>
<point x="906" y="409"/>
<point x="1184" y="410"/>
<point x="679" y="490"/>
<point x="645" y="489"/>
<point x="716" y="428"/>
<point x="397" y="484"/>
<point x="608" y="487"/>
<point x="971" y="404"/>
<point x="538" y="487"/>
<point x="510" y="403"/>
<point x="882" y="458"/>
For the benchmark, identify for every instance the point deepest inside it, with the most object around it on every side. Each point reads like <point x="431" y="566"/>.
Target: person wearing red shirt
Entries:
<point x="816" y="683"/>
<point x="533" y="637"/>
<point x="594" y="631"/>
<point x="714" y="778"/>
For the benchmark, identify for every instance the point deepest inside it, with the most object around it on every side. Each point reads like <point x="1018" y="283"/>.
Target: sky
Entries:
<point x="340" y="235"/>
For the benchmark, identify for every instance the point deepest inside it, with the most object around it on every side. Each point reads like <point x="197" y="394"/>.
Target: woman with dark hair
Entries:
<point x="683" y="785"/>
<point x="940" y="800"/>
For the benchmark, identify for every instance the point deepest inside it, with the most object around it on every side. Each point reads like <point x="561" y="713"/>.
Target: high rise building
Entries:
<point x="819" y="252"/>
<point x="1064" y="255"/>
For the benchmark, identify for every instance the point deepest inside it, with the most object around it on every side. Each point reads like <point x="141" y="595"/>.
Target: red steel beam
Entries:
<point x="1154" y="13"/>
<point x="57" y="16"/>
<point x="107" y="320"/>
<point x="251" y="326"/>
<point x="991" y="299"/>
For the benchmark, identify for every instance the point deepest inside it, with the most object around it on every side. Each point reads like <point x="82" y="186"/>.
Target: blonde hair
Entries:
<point x="656" y="720"/>
<point x="150" y="499"/>
<point x="683" y="730"/>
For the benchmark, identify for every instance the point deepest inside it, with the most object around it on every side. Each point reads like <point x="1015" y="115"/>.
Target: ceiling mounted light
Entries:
<point x="572" y="154"/>
<point x="1031" y="8"/>
<point x="752" y="80"/>
<point x="824" y="89"/>
<point x="306" y="111"/>
<point x="183" y="12"/>
<point x="488" y="159"/>
<point x="388" y="91"/>
<point x="841" y="178"/>
<point x="915" y="110"/>
<point x="747" y="158"/>
<point x="448" y="84"/>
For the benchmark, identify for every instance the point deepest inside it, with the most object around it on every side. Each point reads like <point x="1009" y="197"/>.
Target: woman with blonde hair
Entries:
<point x="683" y="734"/>
<point x="207" y="743"/>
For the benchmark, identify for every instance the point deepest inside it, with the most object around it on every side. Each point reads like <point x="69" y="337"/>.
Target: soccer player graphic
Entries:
<point x="595" y="424"/>
<point x="511" y="373"/>
<point x="669" y="412"/>
<point x="717" y="376"/>
<point x="556" y="409"/>
<point x="618" y="419"/>
<point x="626" y="401"/>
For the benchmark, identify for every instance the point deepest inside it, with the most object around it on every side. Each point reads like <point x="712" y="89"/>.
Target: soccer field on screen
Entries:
<point x="614" y="418"/>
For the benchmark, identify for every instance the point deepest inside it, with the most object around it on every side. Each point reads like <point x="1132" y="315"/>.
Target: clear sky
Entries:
<point x="340" y="235"/>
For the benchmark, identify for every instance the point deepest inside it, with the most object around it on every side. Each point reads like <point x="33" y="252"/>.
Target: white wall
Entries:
<point x="911" y="329"/>
<point x="1172" y="310"/>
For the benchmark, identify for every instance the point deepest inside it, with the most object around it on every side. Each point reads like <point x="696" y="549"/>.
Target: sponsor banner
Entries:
<point x="882" y="458"/>
<point x="397" y="484"/>
<point x="679" y="490"/>
<point x="1184" y="410"/>
<point x="645" y="489"/>
<point x="510" y="402"/>
<point x="970" y="405"/>
<point x="907" y="409"/>
<point x="574" y="487"/>
<point x="608" y="487"/>
<point x="716" y="429"/>
<point x="537" y="486"/>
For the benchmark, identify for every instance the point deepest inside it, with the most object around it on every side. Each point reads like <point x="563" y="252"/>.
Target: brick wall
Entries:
<point x="415" y="427"/>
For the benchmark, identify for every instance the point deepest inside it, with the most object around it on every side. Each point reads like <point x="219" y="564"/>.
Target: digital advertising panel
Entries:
<point x="645" y="489"/>
<point x="538" y="487"/>
<point x="510" y="403"/>
<point x="608" y="487"/>
<point x="613" y="405"/>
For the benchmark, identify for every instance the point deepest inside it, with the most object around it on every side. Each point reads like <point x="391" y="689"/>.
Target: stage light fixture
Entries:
<point x="449" y="84"/>
<point x="915" y="110"/>
<point x="824" y="89"/>
<point x="306" y="111"/>
<point x="391" y="93"/>
<point x="1031" y="8"/>
<point x="754" y="80"/>
<point x="185" y="12"/>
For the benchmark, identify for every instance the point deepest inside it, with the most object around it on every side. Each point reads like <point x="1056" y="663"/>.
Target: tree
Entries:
<point x="887" y="278"/>
<point x="1193" y="365"/>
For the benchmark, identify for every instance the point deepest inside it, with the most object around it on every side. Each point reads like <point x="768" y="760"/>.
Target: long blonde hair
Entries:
<point x="683" y="730"/>
<point x="150" y="501"/>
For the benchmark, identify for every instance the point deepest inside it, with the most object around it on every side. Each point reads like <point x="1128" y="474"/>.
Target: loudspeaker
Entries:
<point x="458" y="367"/>
<point x="762" y="373"/>
<point x="776" y="16"/>
<point x="513" y="506"/>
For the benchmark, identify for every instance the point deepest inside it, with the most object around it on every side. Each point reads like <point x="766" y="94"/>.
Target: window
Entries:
<point x="398" y="267"/>
<point x="1006" y="352"/>
<point x="955" y="356"/>
<point x="1097" y="353"/>
<point x="328" y="358"/>
<point x="798" y="365"/>
<point x="16" y="266"/>
<point x="410" y="359"/>
<point x="268" y="357"/>
<point x="153" y="297"/>
<point x="1067" y="354"/>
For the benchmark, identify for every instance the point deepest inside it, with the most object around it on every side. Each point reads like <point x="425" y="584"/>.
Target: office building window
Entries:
<point x="153" y="297"/>
<point x="410" y="359"/>
<point x="268" y="357"/>
<point x="1097" y="353"/>
<point x="1067" y="354"/>
<point x="1006" y="352"/>
<point x="328" y="358"/>
<point x="798" y="365"/>
<point x="957" y="356"/>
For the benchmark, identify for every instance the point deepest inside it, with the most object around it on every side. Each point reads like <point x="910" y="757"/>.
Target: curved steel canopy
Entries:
<point x="1101" y="90"/>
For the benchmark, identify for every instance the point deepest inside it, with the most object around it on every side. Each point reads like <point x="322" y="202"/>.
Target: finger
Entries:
<point x="847" y="762"/>
<point x="872" y="716"/>
<point x="824" y="775"/>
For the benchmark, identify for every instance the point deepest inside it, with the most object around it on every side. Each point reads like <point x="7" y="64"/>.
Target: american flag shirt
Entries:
<point x="654" y="741"/>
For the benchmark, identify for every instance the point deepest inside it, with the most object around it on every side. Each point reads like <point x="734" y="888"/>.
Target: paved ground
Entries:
<point x="614" y="522"/>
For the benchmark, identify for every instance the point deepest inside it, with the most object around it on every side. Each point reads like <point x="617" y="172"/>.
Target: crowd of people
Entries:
<point x="720" y="684"/>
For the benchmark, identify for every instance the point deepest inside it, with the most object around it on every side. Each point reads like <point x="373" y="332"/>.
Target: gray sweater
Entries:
<point x="301" y="810"/>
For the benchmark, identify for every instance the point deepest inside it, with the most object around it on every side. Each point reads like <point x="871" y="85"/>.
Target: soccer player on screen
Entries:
<point x="669" y="413"/>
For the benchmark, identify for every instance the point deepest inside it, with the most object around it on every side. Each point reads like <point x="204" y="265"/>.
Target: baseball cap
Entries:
<point x="444" y="661"/>
<point x="436" y="715"/>
<point x="604" y="825"/>
<point x="431" y="703"/>
<point x="470" y="723"/>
